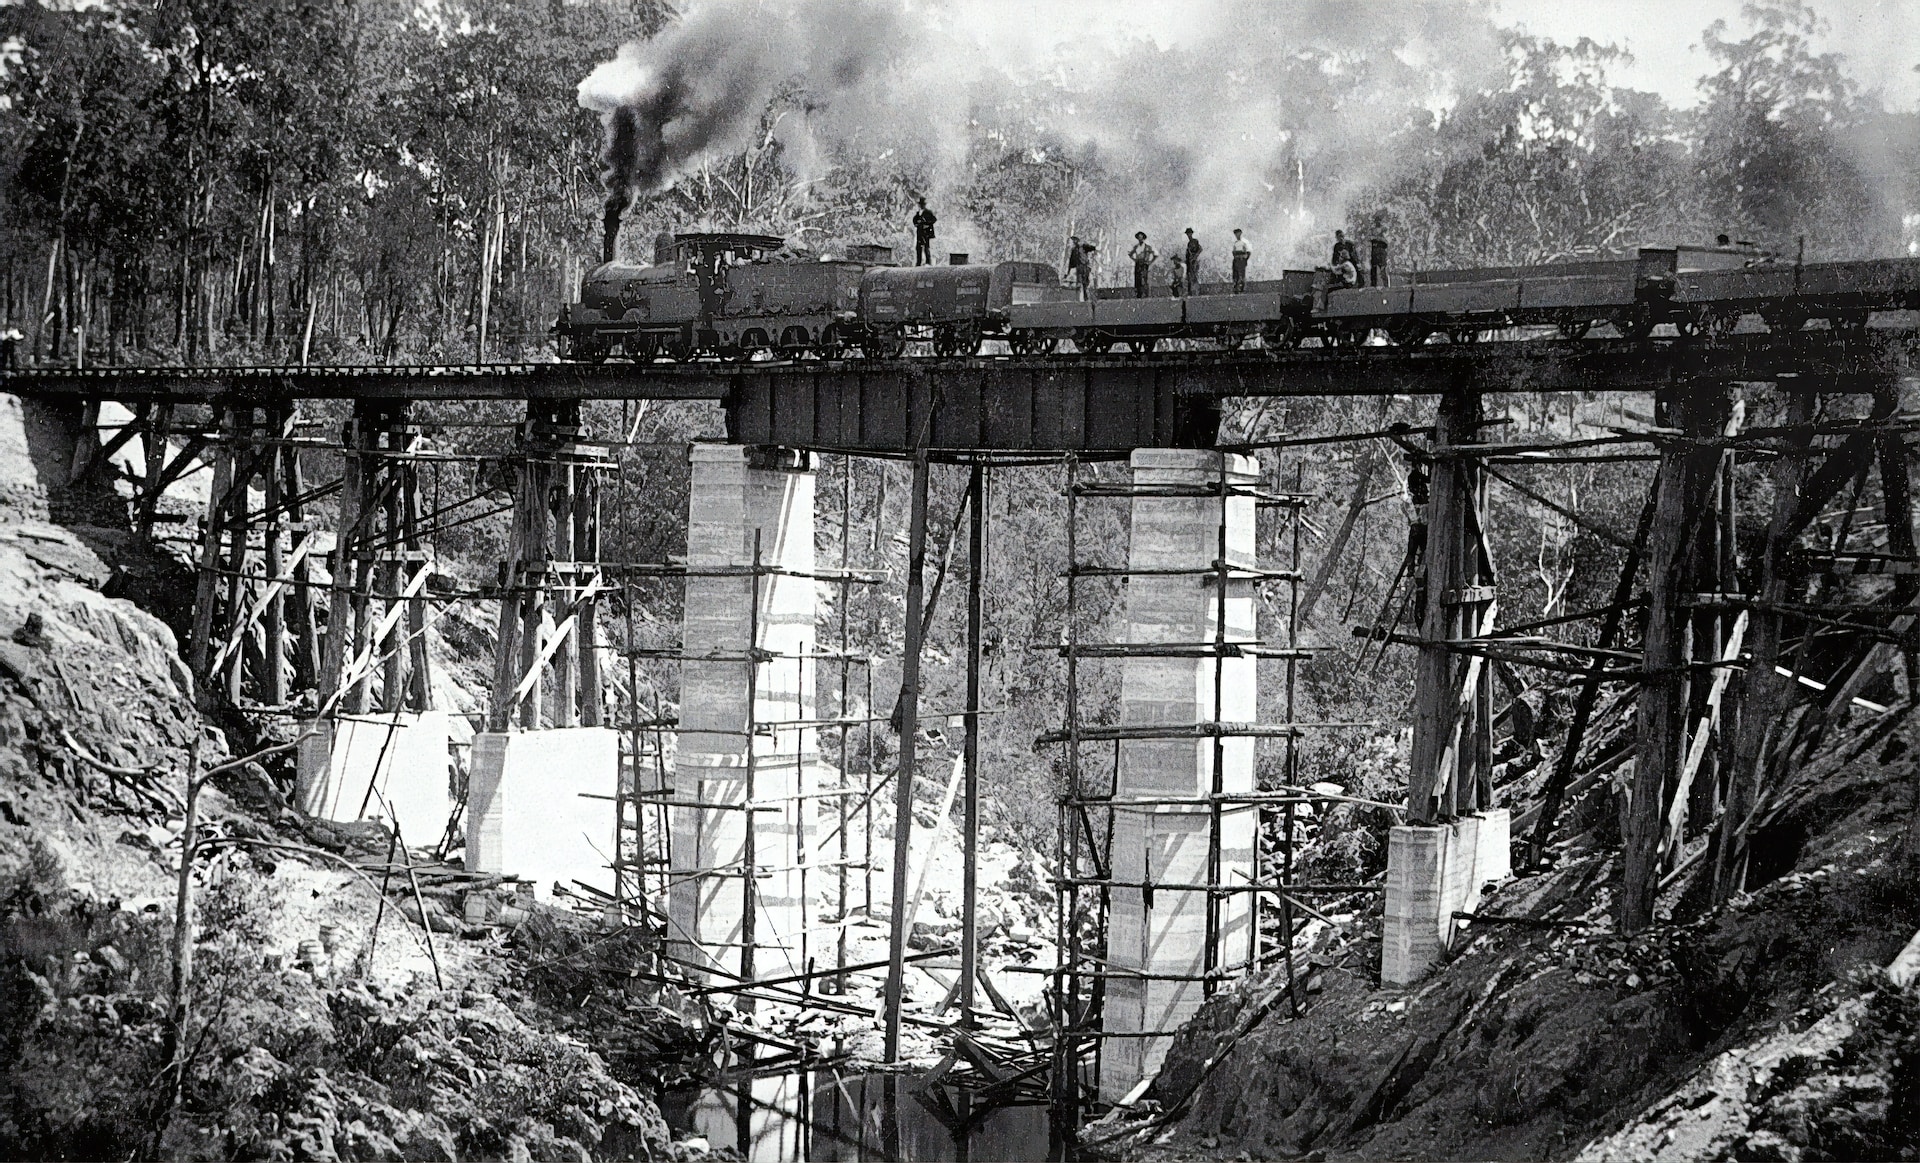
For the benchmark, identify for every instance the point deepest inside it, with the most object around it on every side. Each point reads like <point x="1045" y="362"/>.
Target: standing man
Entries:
<point x="1079" y="264"/>
<point x="1176" y="280"/>
<point x="1241" y="254"/>
<point x="1377" y="262"/>
<point x="1142" y="256"/>
<point x="1344" y="250"/>
<point x="923" y="220"/>
<point x="1193" y="263"/>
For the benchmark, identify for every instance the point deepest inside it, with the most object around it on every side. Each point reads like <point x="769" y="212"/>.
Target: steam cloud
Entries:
<point x="700" y="87"/>
<point x="1265" y="116"/>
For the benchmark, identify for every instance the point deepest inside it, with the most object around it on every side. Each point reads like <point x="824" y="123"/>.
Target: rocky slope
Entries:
<point x="1761" y="1030"/>
<point x="325" y="1021"/>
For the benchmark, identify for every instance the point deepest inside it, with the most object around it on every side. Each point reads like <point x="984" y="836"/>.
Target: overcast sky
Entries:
<point x="1880" y="38"/>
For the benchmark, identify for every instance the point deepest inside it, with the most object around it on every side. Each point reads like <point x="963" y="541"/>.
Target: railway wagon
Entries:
<point x="1787" y="296"/>
<point x="954" y="307"/>
<point x="1277" y="309"/>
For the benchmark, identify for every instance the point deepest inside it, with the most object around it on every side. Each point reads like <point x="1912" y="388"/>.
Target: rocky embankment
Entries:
<point x="1763" y="1029"/>
<point x="324" y="1020"/>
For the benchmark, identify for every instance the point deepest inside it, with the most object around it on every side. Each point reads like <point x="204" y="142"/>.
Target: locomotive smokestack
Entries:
<point x="610" y="225"/>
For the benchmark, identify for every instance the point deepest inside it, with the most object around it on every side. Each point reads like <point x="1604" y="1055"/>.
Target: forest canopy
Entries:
<point x="354" y="180"/>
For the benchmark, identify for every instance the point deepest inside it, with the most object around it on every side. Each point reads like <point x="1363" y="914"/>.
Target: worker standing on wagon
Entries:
<point x="1142" y="256"/>
<point x="1079" y="264"/>
<point x="923" y="220"/>
<point x="1177" y="279"/>
<point x="1377" y="262"/>
<point x="1242" y="253"/>
<point x="1193" y="263"/>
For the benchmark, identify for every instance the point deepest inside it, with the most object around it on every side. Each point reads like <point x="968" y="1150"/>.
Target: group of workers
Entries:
<point x="1184" y="265"/>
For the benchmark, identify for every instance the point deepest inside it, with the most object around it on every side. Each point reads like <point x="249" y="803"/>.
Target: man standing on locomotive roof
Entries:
<point x="1079" y="264"/>
<point x="1377" y="262"/>
<point x="923" y="220"/>
<point x="1241" y="254"/>
<point x="1142" y="256"/>
<point x="1193" y="263"/>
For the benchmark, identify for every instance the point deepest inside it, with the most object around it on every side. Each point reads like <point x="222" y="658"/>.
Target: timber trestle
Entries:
<point x="743" y="768"/>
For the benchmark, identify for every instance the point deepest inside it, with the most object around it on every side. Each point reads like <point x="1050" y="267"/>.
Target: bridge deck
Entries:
<point x="1054" y="403"/>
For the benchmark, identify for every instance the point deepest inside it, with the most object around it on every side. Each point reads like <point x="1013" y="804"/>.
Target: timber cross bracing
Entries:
<point x="1744" y="662"/>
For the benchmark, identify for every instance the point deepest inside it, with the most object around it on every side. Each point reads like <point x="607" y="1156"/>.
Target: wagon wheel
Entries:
<point x="1231" y="340"/>
<point x="1092" y="343"/>
<point x="1575" y="328"/>
<point x="1784" y="321"/>
<point x="1143" y="346"/>
<point x="1407" y="332"/>
<point x="1849" y="322"/>
<point x="1279" y="334"/>
<point x="1463" y="334"/>
<point x="967" y="339"/>
<point x="1635" y="323"/>
<point x="1719" y="323"/>
<point x="888" y="345"/>
<point x="1045" y="344"/>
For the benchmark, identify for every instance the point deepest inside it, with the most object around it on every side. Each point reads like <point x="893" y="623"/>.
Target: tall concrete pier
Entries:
<point x="749" y="632"/>
<point x="1179" y="680"/>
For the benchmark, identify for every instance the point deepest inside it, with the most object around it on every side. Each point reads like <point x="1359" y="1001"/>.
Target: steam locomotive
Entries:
<point x="735" y="296"/>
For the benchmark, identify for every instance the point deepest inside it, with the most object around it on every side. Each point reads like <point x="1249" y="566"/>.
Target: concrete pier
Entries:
<point x="1434" y="871"/>
<point x="747" y="675"/>
<point x="394" y="767"/>
<point x="538" y="806"/>
<point x="1165" y="932"/>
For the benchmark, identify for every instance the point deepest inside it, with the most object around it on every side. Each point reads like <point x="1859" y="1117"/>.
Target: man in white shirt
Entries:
<point x="1142" y="256"/>
<point x="1241" y="254"/>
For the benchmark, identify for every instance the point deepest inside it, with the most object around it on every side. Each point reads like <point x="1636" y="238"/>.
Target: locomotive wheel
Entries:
<point x="1575" y="328"/>
<point x="1463" y="334"/>
<point x="794" y="343"/>
<point x="831" y="345"/>
<point x="1143" y="346"/>
<point x="752" y="343"/>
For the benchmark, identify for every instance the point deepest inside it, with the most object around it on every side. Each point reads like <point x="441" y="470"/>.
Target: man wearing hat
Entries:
<point x="1142" y="256"/>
